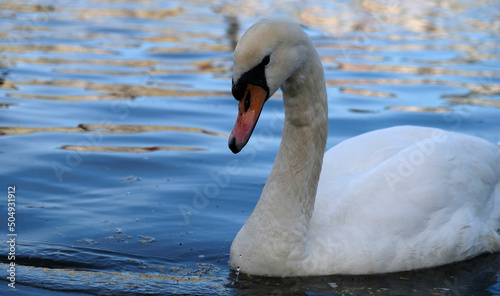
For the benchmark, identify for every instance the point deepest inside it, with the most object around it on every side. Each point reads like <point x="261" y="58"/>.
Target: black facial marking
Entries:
<point x="266" y="60"/>
<point x="255" y="76"/>
<point x="238" y="90"/>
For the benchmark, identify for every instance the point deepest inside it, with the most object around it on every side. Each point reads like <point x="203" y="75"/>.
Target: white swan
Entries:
<point x="390" y="200"/>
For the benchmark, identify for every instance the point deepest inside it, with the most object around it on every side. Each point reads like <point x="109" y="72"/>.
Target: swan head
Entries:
<point x="265" y="57"/>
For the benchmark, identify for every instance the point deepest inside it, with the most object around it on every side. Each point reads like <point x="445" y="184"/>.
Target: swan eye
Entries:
<point x="266" y="60"/>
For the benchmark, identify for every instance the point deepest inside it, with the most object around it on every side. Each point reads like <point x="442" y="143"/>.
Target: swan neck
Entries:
<point x="289" y="194"/>
<point x="305" y="129"/>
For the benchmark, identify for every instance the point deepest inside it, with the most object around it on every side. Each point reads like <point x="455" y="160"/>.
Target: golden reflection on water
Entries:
<point x="468" y="99"/>
<point x="366" y="92"/>
<point x="112" y="129"/>
<point x="478" y="89"/>
<point x="5" y="105"/>
<point x="157" y="14"/>
<point x="103" y="62"/>
<point x="126" y="149"/>
<point x="53" y="48"/>
<point x="191" y="47"/>
<point x="206" y="66"/>
<point x="473" y="101"/>
<point x="27" y="7"/>
<point x="110" y="91"/>
<point x="403" y="69"/>
<point x="370" y="16"/>
<point x="117" y="279"/>
<point x="419" y="109"/>
<point x="106" y="129"/>
<point x="363" y="35"/>
<point x="150" y="275"/>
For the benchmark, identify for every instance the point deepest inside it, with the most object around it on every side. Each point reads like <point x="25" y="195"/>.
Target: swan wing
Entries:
<point x="406" y="197"/>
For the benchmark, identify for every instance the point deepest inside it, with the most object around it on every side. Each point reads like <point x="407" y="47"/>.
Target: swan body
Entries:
<point x="390" y="200"/>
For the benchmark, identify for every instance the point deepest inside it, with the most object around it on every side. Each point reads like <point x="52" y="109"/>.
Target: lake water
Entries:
<point x="114" y="118"/>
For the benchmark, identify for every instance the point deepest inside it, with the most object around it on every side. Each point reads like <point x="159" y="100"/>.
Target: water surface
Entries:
<point x="114" y="117"/>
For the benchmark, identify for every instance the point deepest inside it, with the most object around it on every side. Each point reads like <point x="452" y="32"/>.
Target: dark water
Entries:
<point x="114" y="118"/>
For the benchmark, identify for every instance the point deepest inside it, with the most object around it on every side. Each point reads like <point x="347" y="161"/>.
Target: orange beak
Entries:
<point x="249" y="109"/>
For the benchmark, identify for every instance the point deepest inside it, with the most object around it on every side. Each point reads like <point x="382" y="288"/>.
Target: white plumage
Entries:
<point x="390" y="200"/>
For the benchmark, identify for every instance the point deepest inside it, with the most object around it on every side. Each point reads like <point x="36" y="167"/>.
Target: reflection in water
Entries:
<point x="27" y="7"/>
<point x="12" y="130"/>
<point x="5" y="105"/>
<point x="419" y="109"/>
<point x="157" y="14"/>
<point x="68" y="98"/>
<point x="362" y="111"/>
<point x="103" y="62"/>
<point x="105" y="129"/>
<point x="366" y="92"/>
<point x="131" y="275"/>
<point x="24" y="48"/>
<point x="136" y="276"/>
<point x="403" y="69"/>
<point x="473" y="101"/>
<point x="233" y="28"/>
<point x="111" y="91"/>
<point x="126" y="149"/>
<point x="7" y="84"/>
<point x="473" y="277"/>
<point x="120" y="283"/>
<point x="475" y="89"/>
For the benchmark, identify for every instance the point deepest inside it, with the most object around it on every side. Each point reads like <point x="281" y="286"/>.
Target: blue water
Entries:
<point x="114" y="118"/>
